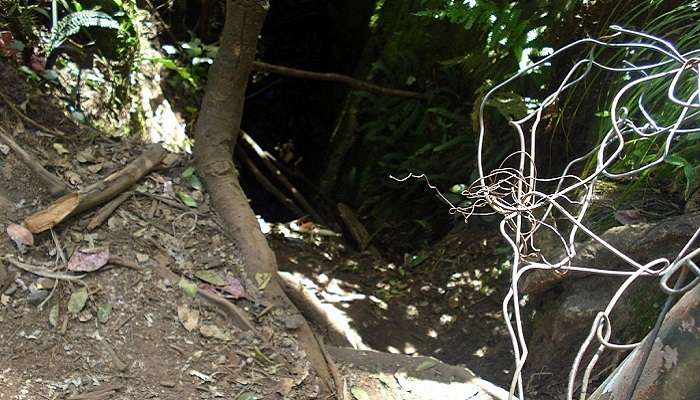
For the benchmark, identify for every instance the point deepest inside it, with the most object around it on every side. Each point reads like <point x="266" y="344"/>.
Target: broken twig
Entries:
<point x="41" y="271"/>
<point x="333" y="77"/>
<point x="266" y="157"/>
<point x="238" y="317"/>
<point x="106" y="211"/>
<point x="26" y="119"/>
<point x="262" y="179"/>
<point x="53" y="184"/>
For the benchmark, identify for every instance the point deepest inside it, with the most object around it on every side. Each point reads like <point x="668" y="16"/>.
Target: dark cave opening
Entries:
<point x="293" y="118"/>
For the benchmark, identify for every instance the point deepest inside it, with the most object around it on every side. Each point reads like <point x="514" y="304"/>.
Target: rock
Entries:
<point x="674" y="359"/>
<point x="397" y="376"/>
<point x="566" y="305"/>
<point x="293" y="322"/>
<point x="36" y="296"/>
<point x="641" y="242"/>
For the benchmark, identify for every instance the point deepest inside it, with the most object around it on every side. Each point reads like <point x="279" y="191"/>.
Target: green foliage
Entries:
<point x="72" y="23"/>
<point x="400" y="137"/>
<point x="437" y="138"/>
<point x="189" y="61"/>
<point x="508" y="31"/>
<point x="22" y="18"/>
<point x="678" y="24"/>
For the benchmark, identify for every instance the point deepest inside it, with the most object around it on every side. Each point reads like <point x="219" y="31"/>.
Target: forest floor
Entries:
<point x="132" y="328"/>
<point x="445" y="303"/>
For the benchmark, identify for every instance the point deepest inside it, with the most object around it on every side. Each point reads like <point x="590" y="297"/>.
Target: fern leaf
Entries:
<point x="72" y="23"/>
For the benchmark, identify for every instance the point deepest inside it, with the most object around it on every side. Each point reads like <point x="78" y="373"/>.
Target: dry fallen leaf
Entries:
<point x="73" y="178"/>
<point x="234" y="288"/>
<point x="213" y="331"/>
<point x="284" y="387"/>
<point x="210" y="277"/>
<point x="188" y="317"/>
<point x="60" y="149"/>
<point x="262" y="279"/>
<point x="20" y="235"/>
<point x="77" y="301"/>
<point x="88" y="260"/>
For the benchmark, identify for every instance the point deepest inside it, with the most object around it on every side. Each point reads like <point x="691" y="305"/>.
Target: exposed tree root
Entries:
<point x="216" y="131"/>
<point x="228" y="309"/>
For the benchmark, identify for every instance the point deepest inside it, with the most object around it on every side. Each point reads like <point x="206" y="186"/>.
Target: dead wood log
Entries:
<point x="357" y="231"/>
<point x="53" y="184"/>
<point x="670" y="369"/>
<point x="437" y="381"/>
<point x="333" y="77"/>
<point x="267" y="158"/>
<point x="269" y="186"/>
<point x="97" y="194"/>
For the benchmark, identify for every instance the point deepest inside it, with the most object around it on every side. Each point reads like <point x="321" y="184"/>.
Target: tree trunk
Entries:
<point x="216" y="131"/>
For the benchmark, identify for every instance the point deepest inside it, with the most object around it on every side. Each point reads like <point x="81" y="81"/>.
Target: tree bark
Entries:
<point x="216" y="132"/>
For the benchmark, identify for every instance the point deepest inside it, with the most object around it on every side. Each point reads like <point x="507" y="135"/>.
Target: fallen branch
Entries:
<point x="262" y="179"/>
<point x="266" y="159"/>
<point x="53" y="184"/>
<point x="26" y="119"/>
<point x="122" y="262"/>
<point x="43" y="272"/>
<point x="357" y="231"/>
<point x="97" y="194"/>
<point x="333" y="77"/>
<point x="105" y="212"/>
<point x="104" y="392"/>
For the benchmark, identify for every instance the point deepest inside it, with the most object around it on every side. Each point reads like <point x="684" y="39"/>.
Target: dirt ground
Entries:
<point x="126" y="331"/>
<point x="135" y="329"/>
<point x="437" y="306"/>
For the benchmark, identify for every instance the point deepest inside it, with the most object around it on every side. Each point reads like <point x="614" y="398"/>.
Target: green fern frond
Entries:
<point x="28" y="20"/>
<point x="72" y="23"/>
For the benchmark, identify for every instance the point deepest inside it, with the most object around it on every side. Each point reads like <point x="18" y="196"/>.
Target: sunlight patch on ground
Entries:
<point x="334" y="292"/>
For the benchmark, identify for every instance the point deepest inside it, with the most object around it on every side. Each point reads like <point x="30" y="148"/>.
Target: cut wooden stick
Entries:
<point x="53" y="184"/>
<point x="333" y="77"/>
<point x="109" y="208"/>
<point x="97" y="194"/>
<point x="266" y="157"/>
<point x="262" y="179"/>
